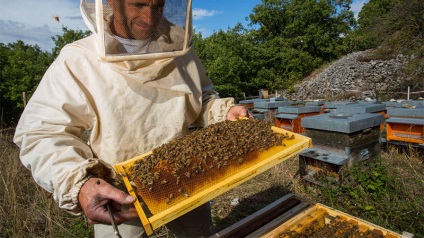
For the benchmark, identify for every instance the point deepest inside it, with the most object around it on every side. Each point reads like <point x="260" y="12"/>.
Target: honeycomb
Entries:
<point x="337" y="227"/>
<point x="188" y="165"/>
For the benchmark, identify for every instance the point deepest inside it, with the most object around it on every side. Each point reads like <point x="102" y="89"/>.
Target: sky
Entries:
<point x="35" y="22"/>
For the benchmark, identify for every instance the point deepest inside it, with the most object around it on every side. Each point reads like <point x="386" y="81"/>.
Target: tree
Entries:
<point x="68" y="36"/>
<point x="229" y="59"/>
<point x="294" y="37"/>
<point x="365" y="35"/>
<point x="21" y="69"/>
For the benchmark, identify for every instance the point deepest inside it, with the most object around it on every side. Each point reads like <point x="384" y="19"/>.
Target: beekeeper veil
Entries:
<point x="139" y="29"/>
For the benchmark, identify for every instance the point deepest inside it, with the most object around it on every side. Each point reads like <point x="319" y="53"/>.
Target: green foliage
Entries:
<point x="372" y="192"/>
<point x="288" y="40"/>
<point x="394" y="25"/>
<point x="21" y="68"/>
<point x="229" y="59"/>
<point x="68" y="36"/>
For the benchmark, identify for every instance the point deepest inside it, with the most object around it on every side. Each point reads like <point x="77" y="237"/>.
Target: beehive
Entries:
<point x="322" y="221"/>
<point x="315" y="163"/>
<point x="170" y="194"/>
<point x="406" y="125"/>
<point x="289" y="118"/>
<point x="356" y="135"/>
<point x="295" y="215"/>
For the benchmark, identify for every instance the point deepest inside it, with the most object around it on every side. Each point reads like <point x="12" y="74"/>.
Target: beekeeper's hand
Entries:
<point x="96" y="193"/>
<point x="238" y="111"/>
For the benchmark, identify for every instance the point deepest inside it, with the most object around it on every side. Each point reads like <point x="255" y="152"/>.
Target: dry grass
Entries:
<point x="26" y="209"/>
<point x="29" y="211"/>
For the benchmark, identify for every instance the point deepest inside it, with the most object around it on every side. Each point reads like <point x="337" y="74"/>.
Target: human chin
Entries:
<point x="142" y="32"/>
<point x="142" y="35"/>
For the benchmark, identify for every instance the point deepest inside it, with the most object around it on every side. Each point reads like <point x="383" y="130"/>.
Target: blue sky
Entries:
<point x="33" y="21"/>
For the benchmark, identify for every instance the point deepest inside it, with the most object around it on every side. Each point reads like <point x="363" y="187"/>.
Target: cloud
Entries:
<point x="199" y="14"/>
<point x="205" y="31"/>
<point x="34" y="21"/>
<point x="11" y="31"/>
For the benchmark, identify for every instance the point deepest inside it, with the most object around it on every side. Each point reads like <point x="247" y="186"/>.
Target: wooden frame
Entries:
<point x="278" y="155"/>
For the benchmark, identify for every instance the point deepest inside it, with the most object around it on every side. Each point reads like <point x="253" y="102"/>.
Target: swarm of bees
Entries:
<point x="203" y="151"/>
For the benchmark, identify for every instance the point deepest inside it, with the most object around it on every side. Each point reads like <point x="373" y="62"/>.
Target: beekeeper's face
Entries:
<point x="136" y="19"/>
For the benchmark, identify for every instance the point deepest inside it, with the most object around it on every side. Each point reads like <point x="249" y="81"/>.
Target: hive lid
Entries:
<point x="300" y="109"/>
<point x="315" y="103"/>
<point x="362" y="108"/>
<point x="342" y="122"/>
<point x="406" y="120"/>
<point x="275" y="104"/>
<point x="337" y="104"/>
<point x="260" y="100"/>
<point x="325" y="156"/>
<point x="286" y="116"/>
<point x="418" y="111"/>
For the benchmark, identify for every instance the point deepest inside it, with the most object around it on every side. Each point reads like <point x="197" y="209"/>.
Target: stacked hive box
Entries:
<point x="267" y="109"/>
<point x="289" y="118"/>
<point x="406" y="125"/>
<point x="340" y="139"/>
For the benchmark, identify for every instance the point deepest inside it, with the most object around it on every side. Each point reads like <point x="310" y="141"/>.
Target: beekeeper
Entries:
<point x="134" y="84"/>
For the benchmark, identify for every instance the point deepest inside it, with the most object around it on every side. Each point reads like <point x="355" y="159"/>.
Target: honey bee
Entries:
<point x="170" y="197"/>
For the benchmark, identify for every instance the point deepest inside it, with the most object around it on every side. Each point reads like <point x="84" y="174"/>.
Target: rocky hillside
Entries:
<point x="355" y="76"/>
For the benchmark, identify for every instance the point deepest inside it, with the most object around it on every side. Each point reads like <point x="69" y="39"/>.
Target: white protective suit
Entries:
<point x="129" y="107"/>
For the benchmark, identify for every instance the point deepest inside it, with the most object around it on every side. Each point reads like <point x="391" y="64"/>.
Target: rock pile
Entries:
<point x="352" y="77"/>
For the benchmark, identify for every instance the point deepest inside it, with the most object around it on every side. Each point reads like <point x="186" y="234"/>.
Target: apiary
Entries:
<point x="187" y="172"/>
<point x="405" y="125"/>
<point x="289" y="118"/>
<point x="355" y="135"/>
<point x="294" y="216"/>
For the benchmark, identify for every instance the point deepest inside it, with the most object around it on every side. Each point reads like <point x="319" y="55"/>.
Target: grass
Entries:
<point x="388" y="191"/>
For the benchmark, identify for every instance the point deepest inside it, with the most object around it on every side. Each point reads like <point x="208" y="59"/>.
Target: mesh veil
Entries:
<point x="139" y="29"/>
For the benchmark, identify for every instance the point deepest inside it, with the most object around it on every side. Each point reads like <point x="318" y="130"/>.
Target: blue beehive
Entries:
<point x="356" y="135"/>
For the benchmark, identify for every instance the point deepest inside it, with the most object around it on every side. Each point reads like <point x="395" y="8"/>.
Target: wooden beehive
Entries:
<point x="154" y="212"/>
<point x="317" y="216"/>
<point x="293" y="213"/>
<point x="405" y="125"/>
<point x="290" y="118"/>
